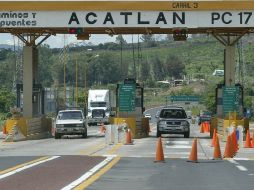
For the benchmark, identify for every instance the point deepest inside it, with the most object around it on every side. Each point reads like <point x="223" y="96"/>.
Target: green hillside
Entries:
<point x="109" y="63"/>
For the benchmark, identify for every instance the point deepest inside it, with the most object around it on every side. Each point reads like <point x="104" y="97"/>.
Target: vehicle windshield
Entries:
<point x="98" y="104"/>
<point x="173" y="113"/>
<point x="70" y="115"/>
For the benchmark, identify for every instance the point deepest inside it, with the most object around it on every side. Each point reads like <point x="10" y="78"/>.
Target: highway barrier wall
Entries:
<point x="31" y="128"/>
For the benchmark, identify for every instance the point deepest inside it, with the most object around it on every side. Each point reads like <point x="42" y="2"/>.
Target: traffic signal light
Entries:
<point x="180" y="34"/>
<point x="75" y="30"/>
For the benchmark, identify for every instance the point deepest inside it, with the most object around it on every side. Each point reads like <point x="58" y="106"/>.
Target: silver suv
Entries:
<point x="173" y="120"/>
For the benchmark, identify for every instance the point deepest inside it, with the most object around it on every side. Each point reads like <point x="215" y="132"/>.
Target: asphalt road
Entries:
<point x="92" y="164"/>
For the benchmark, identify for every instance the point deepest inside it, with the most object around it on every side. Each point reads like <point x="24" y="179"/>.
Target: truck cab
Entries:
<point x="98" y="110"/>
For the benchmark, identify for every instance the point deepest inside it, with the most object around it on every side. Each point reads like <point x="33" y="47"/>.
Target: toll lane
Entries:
<point x="53" y="174"/>
<point x="174" y="174"/>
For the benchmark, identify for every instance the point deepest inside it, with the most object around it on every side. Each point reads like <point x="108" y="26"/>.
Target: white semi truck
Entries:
<point x="98" y="110"/>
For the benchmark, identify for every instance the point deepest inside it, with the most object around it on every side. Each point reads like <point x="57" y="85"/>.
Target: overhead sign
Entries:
<point x="158" y="19"/>
<point x="127" y="95"/>
<point x="184" y="98"/>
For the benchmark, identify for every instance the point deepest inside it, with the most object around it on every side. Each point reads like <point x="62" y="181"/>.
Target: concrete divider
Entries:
<point x="30" y="128"/>
<point x="115" y="134"/>
<point x="139" y="128"/>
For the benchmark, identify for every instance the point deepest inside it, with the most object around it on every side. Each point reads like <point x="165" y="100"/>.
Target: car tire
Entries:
<point x="84" y="135"/>
<point x="187" y="135"/>
<point x="57" y="136"/>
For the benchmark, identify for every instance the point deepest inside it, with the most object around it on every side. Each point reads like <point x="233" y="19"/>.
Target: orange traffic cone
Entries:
<point x="217" y="152"/>
<point x="228" y="149"/>
<point x="53" y="131"/>
<point x="207" y="127"/>
<point x="159" y="152"/>
<point x="214" y="138"/>
<point x="194" y="155"/>
<point x="102" y="128"/>
<point x="252" y="142"/>
<point x="4" y="130"/>
<point x="248" y="142"/>
<point x="128" y="138"/>
<point x="234" y="142"/>
<point x="202" y="128"/>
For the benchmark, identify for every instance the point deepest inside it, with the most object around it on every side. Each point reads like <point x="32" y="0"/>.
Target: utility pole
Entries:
<point x="76" y="82"/>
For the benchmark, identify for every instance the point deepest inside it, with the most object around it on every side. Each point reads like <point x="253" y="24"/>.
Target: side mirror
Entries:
<point x="189" y="117"/>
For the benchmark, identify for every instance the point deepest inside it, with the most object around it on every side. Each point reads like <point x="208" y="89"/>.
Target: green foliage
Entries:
<point x="208" y="97"/>
<point x="44" y="68"/>
<point x="186" y="90"/>
<point x="174" y="67"/>
<point x="7" y="100"/>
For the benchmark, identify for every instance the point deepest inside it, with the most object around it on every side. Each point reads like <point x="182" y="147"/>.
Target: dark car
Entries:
<point x="173" y="120"/>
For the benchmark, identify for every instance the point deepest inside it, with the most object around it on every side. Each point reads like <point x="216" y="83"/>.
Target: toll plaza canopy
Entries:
<point x="115" y="16"/>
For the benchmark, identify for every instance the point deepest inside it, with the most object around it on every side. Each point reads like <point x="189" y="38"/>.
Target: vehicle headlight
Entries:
<point x="59" y="125"/>
<point x="162" y="123"/>
<point x="79" y="125"/>
<point x="184" y="123"/>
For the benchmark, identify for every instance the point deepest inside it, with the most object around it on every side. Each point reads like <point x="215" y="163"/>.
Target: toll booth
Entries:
<point x="229" y="110"/>
<point x="38" y="99"/>
<point x="130" y="107"/>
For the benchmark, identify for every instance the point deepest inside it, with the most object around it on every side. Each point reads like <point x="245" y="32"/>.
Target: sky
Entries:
<point x="58" y="40"/>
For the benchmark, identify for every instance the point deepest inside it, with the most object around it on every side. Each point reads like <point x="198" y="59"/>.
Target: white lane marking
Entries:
<point x="233" y="161"/>
<point x="89" y="173"/>
<point x="242" y="168"/>
<point x="178" y="142"/>
<point x="241" y="159"/>
<point x="177" y="146"/>
<point x="26" y="167"/>
<point x="251" y="174"/>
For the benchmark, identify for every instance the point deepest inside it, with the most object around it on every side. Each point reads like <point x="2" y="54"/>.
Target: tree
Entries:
<point x="148" y="39"/>
<point x="145" y="70"/>
<point x="7" y="100"/>
<point x="174" y="67"/>
<point x="120" y="40"/>
<point x="208" y="97"/>
<point x="44" y="67"/>
<point x="158" y="69"/>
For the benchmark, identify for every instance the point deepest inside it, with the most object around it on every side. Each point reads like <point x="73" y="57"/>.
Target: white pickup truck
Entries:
<point x="70" y="122"/>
